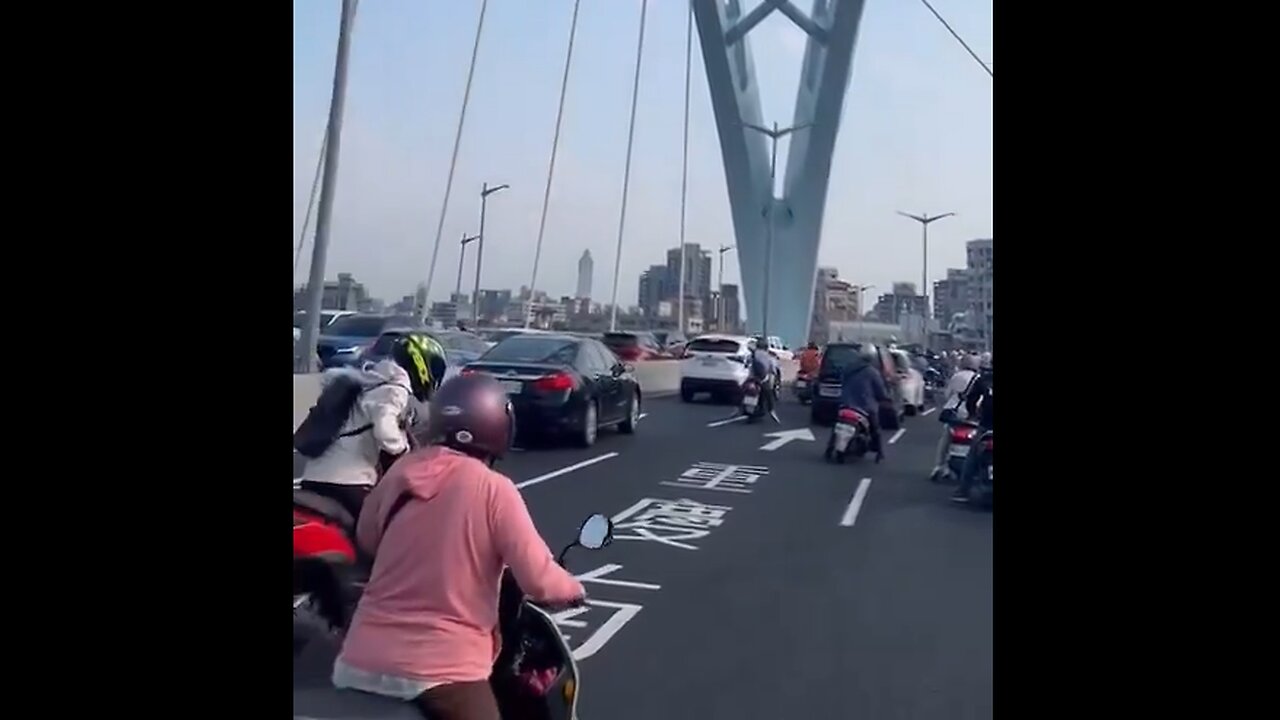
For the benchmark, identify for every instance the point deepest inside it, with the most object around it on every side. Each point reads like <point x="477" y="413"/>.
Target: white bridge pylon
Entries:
<point x="831" y="30"/>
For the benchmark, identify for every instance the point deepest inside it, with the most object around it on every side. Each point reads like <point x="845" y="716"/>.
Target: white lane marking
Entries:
<point x="926" y="412"/>
<point x="625" y="612"/>
<point x="726" y="421"/>
<point x="565" y="470"/>
<point x="851" y="512"/>
<point x="897" y="435"/>
<point x="642" y="416"/>
<point x="785" y="436"/>
<point x="597" y="576"/>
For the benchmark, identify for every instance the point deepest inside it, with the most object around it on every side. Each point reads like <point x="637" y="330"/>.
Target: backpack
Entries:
<point x="323" y="424"/>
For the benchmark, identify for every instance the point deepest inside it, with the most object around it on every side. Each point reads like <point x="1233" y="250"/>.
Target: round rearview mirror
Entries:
<point x="596" y="532"/>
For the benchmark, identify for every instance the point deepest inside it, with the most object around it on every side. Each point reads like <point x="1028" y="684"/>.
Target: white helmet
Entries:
<point x="985" y="362"/>
<point x="969" y="362"/>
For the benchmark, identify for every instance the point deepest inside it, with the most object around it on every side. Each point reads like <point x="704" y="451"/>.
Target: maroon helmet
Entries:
<point x="471" y="414"/>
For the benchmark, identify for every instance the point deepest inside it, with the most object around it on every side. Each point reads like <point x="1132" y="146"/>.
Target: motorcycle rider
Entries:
<point x="764" y="369"/>
<point x="862" y="388"/>
<point x="810" y="359"/>
<point x="426" y="629"/>
<point x="954" y="405"/>
<point x="350" y="466"/>
<point x="980" y="404"/>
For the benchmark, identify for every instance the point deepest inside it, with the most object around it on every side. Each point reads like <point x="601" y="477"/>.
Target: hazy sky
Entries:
<point x="915" y="136"/>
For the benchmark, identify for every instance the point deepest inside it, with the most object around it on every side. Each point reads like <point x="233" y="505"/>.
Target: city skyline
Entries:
<point x="917" y="136"/>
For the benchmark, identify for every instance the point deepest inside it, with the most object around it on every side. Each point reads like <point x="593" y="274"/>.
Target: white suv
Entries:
<point x="717" y="364"/>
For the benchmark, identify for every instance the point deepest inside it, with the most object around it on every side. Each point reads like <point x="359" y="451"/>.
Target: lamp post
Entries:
<point x="462" y="255"/>
<point x="774" y="135"/>
<point x="925" y="219"/>
<point x="862" y="310"/>
<point x="720" y="289"/>
<point x="485" y="192"/>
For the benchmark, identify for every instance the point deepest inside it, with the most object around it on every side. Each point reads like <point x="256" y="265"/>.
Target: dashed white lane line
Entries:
<point x="565" y="470"/>
<point x="926" y="412"/>
<point x="851" y="512"/>
<point x="726" y="421"/>
<point x="897" y="436"/>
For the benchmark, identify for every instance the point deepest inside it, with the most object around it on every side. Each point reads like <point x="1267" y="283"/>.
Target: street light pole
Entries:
<point x="485" y="192"/>
<point x="774" y="135"/>
<point x="720" y="290"/>
<point x="925" y="219"/>
<point x="462" y="255"/>
<point x="328" y="186"/>
<point x="861" y="290"/>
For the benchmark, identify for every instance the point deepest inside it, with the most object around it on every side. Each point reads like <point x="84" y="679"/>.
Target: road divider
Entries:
<point x="656" y="378"/>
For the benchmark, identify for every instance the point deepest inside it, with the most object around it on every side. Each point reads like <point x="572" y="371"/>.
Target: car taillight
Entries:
<point x="468" y="371"/>
<point x="962" y="433"/>
<point x="847" y="416"/>
<point x="751" y="388"/>
<point x="554" y="383"/>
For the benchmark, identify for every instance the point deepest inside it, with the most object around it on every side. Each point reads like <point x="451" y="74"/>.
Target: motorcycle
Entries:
<point x="963" y="433"/>
<point x="981" y="491"/>
<point x="535" y="676"/>
<point x="326" y="570"/>
<point x="753" y="401"/>
<point x="850" y="436"/>
<point x="803" y="387"/>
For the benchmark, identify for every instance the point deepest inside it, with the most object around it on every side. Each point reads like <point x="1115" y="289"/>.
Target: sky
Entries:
<point x="916" y="136"/>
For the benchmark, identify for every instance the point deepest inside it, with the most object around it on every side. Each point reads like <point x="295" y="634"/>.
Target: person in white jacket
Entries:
<point x="374" y="433"/>
<point x="956" y="386"/>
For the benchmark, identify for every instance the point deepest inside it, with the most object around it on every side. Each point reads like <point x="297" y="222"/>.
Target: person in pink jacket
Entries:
<point x="442" y="525"/>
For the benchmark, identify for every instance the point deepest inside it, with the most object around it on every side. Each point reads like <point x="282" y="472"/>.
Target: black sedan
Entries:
<point x="563" y="385"/>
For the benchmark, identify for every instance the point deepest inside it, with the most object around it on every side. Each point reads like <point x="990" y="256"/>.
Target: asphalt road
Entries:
<point x="786" y="591"/>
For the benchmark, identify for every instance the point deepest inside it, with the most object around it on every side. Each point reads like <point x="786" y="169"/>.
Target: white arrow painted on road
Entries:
<point x="786" y="436"/>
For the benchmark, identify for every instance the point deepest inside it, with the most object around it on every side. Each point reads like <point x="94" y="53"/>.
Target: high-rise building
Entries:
<point x="655" y="286"/>
<point x="586" y="267"/>
<point x="980" y="291"/>
<point x="697" y="272"/>
<point x="341" y="294"/>
<point x="902" y="302"/>
<point x="834" y="300"/>
<point x="951" y="297"/>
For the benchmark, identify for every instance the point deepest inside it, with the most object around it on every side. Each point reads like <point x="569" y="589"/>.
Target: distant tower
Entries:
<point x="585" y="268"/>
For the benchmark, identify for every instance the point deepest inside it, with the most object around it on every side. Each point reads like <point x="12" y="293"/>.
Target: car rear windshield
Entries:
<point x="533" y="349"/>
<point x="724" y="347"/>
<point x="839" y="355"/>
<point x="617" y="340"/>
<point x="357" y="326"/>
<point x="384" y="344"/>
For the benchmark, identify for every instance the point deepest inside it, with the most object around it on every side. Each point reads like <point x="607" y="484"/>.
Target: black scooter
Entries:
<point x="532" y="647"/>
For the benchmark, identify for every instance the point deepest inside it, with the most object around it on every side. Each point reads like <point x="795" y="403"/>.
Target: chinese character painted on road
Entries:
<point x="718" y="476"/>
<point x="607" y="624"/>
<point x="669" y="522"/>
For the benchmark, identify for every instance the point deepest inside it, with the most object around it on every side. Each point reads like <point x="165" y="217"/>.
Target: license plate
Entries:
<point x="829" y="392"/>
<point x="958" y="450"/>
<point x="991" y="472"/>
<point x="801" y="384"/>
<point x="749" y="401"/>
<point x="710" y="361"/>
<point x="511" y="387"/>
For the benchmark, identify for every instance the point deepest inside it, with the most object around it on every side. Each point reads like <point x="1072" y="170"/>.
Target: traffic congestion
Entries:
<point x="815" y="504"/>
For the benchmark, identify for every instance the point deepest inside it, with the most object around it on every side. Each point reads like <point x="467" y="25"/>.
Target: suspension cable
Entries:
<point x="626" y="171"/>
<point x="684" y="160"/>
<point x="453" y="161"/>
<point x="315" y="184"/>
<point x="959" y="39"/>
<point x="311" y="203"/>
<point x="551" y="166"/>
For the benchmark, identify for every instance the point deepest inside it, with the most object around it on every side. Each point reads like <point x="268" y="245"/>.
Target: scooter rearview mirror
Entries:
<point x="596" y="532"/>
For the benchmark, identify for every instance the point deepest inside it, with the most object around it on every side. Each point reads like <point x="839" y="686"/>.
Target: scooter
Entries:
<point x="753" y="402"/>
<point x="803" y="387"/>
<point x="963" y="433"/>
<point x="534" y="678"/>
<point x="850" y="436"/>
<point x="981" y="491"/>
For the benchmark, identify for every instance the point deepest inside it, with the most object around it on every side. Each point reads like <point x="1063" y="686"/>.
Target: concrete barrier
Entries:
<point x="656" y="378"/>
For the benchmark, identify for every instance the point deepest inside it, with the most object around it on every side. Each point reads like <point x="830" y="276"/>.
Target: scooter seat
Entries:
<point x="330" y="703"/>
<point x="325" y="506"/>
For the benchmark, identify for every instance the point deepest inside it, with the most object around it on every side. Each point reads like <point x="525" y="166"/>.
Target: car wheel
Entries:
<point x="686" y="395"/>
<point x="628" y="425"/>
<point x="909" y="410"/>
<point x="590" y="425"/>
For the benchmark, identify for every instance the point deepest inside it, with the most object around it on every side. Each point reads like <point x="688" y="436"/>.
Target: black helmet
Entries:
<point x="471" y="414"/>
<point x="423" y="358"/>
<point x="813" y="345"/>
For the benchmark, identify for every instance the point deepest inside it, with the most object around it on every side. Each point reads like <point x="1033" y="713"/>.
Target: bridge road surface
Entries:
<point x="788" y="599"/>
